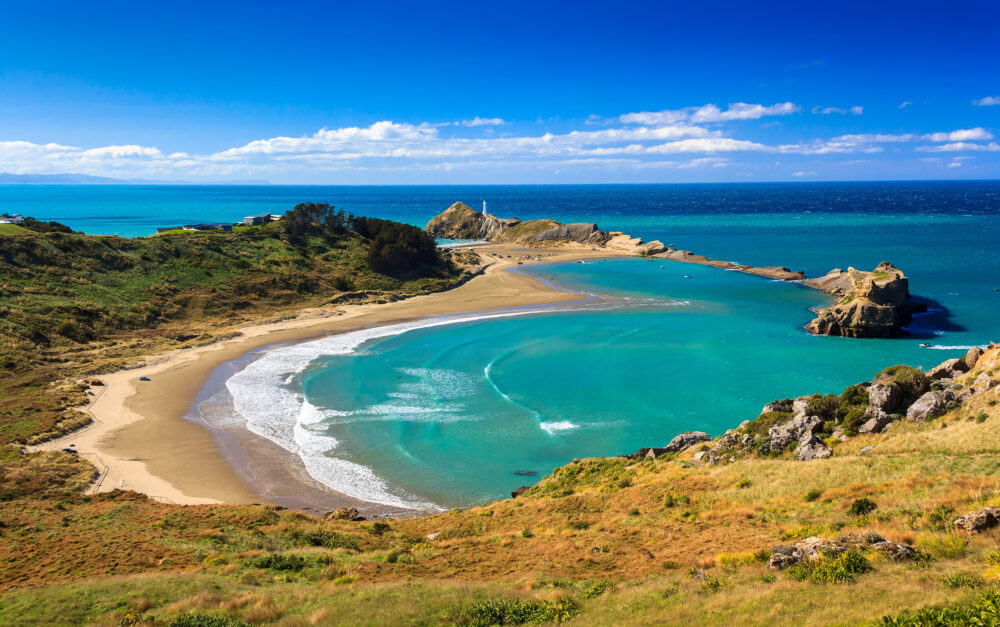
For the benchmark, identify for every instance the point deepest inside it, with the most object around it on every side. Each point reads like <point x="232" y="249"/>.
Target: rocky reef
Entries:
<point x="872" y="304"/>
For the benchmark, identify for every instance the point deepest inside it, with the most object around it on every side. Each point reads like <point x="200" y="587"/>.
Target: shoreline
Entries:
<point x="141" y="441"/>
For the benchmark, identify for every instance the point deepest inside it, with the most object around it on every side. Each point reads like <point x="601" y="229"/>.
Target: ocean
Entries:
<point x="443" y="413"/>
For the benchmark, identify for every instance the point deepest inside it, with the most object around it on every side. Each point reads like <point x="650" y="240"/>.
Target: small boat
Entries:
<point x="687" y="276"/>
<point x="925" y="344"/>
<point x="525" y="473"/>
<point x="145" y="379"/>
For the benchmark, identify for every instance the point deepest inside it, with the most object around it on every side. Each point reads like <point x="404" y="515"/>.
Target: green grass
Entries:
<point x="13" y="229"/>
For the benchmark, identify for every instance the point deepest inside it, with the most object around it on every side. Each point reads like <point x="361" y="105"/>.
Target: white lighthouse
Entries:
<point x="484" y="207"/>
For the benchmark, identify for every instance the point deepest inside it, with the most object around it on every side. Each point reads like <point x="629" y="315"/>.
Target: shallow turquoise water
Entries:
<point x="450" y="413"/>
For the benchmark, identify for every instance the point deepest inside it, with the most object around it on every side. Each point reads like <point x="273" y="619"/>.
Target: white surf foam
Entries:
<point x="963" y="347"/>
<point x="263" y="396"/>
<point x="559" y="425"/>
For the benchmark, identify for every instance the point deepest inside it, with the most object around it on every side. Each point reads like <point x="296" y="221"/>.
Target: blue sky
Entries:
<point x="513" y="92"/>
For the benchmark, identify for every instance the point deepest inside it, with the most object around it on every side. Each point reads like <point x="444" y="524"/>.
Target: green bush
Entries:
<point x="813" y="494"/>
<point x="853" y="420"/>
<point x="278" y="561"/>
<point x="320" y="537"/>
<point x="831" y="569"/>
<point x="912" y="383"/>
<point x="511" y="612"/>
<point x="862" y="507"/>
<point x="983" y="611"/>
<point x="597" y="589"/>
<point x="826" y="407"/>
<point x="197" y="619"/>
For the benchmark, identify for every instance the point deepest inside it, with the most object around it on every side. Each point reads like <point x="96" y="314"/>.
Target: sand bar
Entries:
<point x="140" y="441"/>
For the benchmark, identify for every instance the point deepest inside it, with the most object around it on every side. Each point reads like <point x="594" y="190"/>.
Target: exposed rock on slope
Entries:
<point x="808" y="426"/>
<point x="460" y="221"/>
<point x="872" y="304"/>
<point x="581" y="232"/>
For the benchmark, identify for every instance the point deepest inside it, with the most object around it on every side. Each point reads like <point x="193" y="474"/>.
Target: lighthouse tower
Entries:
<point x="484" y="207"/>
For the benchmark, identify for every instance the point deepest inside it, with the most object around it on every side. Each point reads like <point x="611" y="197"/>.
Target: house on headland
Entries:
<point x="11" y="219"/>
<point x="218" y="226"/>
<point x="260" y="218"/>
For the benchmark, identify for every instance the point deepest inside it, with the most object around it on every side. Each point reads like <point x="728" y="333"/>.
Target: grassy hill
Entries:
<point x="72" y="304"/>
<point x="13" y="229"/>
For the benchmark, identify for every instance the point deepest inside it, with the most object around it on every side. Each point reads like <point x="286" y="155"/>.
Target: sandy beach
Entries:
<point x="140" y="440"/>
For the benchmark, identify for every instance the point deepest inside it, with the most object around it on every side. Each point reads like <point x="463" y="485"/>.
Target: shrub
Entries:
<point x="512" y="612"/>
<point x="673" y="500"/>
<point x="379" y="528"/>
<point x="851" y="397"/>
<point x="831" y="569"/>
<point x="963" y="581"/>
<point x="527" y="533"/>
<point x="862" y="507"/>
<point x="981" y="416"/>
<point x="597" y="589"/>
<point x="853" y="420"/>
<point x="278" y="561"/>
<point x="940" y="517"/>
<point x="910" y="381"/>
<point x="743" y="483"/>
<point x="813" y="494"/>
<point x="826" y="407"/>
<point x="320" y="537"/>
<point x="197" y="619"/>
<point x="579" y="524"/>
<point x="983" y="611"/>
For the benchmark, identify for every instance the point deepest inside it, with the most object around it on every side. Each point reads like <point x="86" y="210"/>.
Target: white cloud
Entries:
<point x="961" y="147"/>
<point x="955" y="164"/>
<point x="632" y="141"/>
<point x="855" y="110"/>
<point x="987" y="101"/>
<point x="967" y="134"/>
<point x="801" y="173"/>
<point x="715" y="144"/>
<point x="710" y="113"/>
<point x="904" y="104"/>
<point x="478" y="121"/>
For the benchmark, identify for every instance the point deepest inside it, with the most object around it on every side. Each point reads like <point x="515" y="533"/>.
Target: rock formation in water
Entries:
<point x="871" y="304"/>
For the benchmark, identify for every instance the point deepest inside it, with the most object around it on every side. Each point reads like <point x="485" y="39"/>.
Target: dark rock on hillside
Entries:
<point x="948" y="369"/>
<point x="872" y="304"/>
<point x="979" y="520"/>
<point x="679" y="443"/>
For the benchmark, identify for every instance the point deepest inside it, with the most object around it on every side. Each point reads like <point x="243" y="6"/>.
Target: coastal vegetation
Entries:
<point x="73" y="304"/>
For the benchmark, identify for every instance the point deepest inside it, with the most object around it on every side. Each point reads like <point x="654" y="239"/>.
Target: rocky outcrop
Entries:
<point x="679" y="443"/>
<point x="581" y="232"/>
<point x="344" y="513"/>
<point x="930" y="405"/>
<point x="810" y="448"/>
<point x="948" y="369"/>
<point x="815" y="548"/>
<point x="460" y="221"/>
<point x="871" y="304"/>
<point x="979" y="520"/>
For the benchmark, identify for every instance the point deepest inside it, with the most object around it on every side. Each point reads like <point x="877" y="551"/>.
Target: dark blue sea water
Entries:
<point x="446" y="414"/>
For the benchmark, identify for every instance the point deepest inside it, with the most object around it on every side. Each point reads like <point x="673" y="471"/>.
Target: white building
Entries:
<point x="11" y="219"/>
